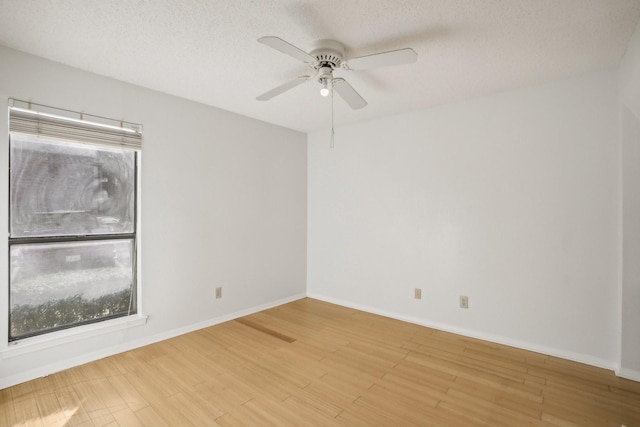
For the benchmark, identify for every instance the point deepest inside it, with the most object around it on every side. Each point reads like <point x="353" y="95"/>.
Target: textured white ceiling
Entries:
<point x="206" y="50"/>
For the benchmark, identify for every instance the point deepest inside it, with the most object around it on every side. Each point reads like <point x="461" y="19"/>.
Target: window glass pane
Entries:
<point x="54" y="285"/>
<point x="64" y="189"/>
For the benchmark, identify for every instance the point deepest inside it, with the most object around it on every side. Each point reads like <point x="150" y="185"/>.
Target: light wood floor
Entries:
<point x="313" y="363"/>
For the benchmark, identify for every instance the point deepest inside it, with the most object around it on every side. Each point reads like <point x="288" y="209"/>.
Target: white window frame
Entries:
<point x="76" y="333"/>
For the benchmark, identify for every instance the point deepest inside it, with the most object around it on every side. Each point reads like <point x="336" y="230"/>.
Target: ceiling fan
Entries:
<point x="327" y="56"/>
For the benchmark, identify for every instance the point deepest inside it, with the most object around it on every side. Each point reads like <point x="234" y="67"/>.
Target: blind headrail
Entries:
<point x="37" y="119"/>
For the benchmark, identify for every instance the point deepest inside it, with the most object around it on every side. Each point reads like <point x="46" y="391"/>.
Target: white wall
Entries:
<point x="630" y="135"/>
<point x="223" y="204"/>
<point x="512" y="200"/>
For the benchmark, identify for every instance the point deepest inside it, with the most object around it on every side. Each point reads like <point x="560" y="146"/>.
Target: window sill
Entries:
<point x="66" y="336"/>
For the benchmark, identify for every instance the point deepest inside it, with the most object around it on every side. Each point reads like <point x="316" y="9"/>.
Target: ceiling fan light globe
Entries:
<point x="324" y="91"/>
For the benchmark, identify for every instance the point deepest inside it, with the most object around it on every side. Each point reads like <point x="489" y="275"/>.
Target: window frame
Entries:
<point x="133" y="317"/>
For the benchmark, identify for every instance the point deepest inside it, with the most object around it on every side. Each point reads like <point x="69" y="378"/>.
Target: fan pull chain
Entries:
<point x="333" y="132"/>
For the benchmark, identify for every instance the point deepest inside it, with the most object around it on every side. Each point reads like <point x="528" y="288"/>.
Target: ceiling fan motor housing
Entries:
<point x="328" y="53"/>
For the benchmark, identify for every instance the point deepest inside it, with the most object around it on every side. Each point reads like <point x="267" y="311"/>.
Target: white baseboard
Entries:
<point x="498" y="339"/>
<point x="629" y="374"/>
<point x="45" y="370"/>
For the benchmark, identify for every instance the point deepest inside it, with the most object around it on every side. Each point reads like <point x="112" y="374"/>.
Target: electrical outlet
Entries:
<point x="417" y="293"/>
<point x="219" y="293"/>
<point x="464" y="301"/>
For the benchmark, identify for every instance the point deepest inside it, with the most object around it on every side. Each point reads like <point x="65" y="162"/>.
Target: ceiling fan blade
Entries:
<point x="384" y="59"/>
<point x="287" y="48"/>
<point x="283" y="88"/>
<point x="349" y="94"/>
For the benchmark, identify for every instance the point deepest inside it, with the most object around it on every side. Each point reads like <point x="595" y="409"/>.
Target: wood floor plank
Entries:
<point x="26" y="411"/>
<point x="89" y="396"/>
<point x="314" y="401"/>
<point x="251" y="413"/>
<point x="50" y="411"/>
<point x="301" y="409"/>
<point x="274" y="413"/>
<point x="408" y="410"/>
<point x="420" y="375"/>
<point x="314" y="363"/>
<point x="127" y="392"/>
<point x="227" y="400"/>
<point x="353" y="385"/>
<point x="151" y="418"/>
<point x="490" y="409"/>
<point x="195" y="409"/>
<point x="331" y="395"/>
<point x="7" y="414"/>
<point x="407" y="388"/>
<point x="127" y="418"/>
<point x="168" y="412"/>
<point x="69" y="400"/>
<point x="101" y="417"/>
<point x="260" y="327"/>
<point x="228" y="420"/>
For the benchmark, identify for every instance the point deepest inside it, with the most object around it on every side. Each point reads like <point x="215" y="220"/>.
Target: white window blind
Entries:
<point x="35" y="119"/>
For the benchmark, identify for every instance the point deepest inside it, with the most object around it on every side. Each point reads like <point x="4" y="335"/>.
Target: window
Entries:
<point x="72" y="222"/>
